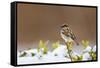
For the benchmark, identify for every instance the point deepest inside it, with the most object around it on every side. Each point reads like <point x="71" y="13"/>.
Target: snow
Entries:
<point x="94" y="48"/>
<point x="60" y="54"/>
<point x="86" y="56"/>
<point x="88" y="49"/>
<point x="75" y="54"/>
<point x="47" y="58"/>
<point x="60" y="51"/>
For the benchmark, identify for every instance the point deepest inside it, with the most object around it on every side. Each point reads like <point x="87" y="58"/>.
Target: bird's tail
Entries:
<point x="77" y="43"/>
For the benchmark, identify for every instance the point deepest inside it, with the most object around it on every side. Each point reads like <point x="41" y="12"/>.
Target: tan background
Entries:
<point x="42" y="22"/>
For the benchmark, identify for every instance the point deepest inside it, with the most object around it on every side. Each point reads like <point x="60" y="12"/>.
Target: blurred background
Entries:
<point x="42" y="22"/>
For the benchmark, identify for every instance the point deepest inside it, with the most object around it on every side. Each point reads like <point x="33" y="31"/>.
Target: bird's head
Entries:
<point x="65" y="27"/>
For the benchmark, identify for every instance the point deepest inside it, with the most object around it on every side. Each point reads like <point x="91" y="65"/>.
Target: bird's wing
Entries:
<point x="73" y="36"/>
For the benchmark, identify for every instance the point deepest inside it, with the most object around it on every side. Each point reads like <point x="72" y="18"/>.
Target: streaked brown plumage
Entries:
<point x="67" y="34"/>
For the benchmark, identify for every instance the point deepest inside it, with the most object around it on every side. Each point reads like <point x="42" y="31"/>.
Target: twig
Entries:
<point x="69" y="52"/>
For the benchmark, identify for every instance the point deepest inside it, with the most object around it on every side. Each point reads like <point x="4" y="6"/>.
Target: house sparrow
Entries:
<point x="67" y="34"/>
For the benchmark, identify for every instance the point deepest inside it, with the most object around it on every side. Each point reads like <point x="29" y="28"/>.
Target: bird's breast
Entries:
<point x="66" y="38"/>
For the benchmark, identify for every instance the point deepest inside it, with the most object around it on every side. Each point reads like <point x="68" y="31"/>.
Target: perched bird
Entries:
<point x="67" y="34"/>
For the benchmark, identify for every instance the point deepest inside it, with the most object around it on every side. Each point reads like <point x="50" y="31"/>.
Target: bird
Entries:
<point x="67" y="34"/>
